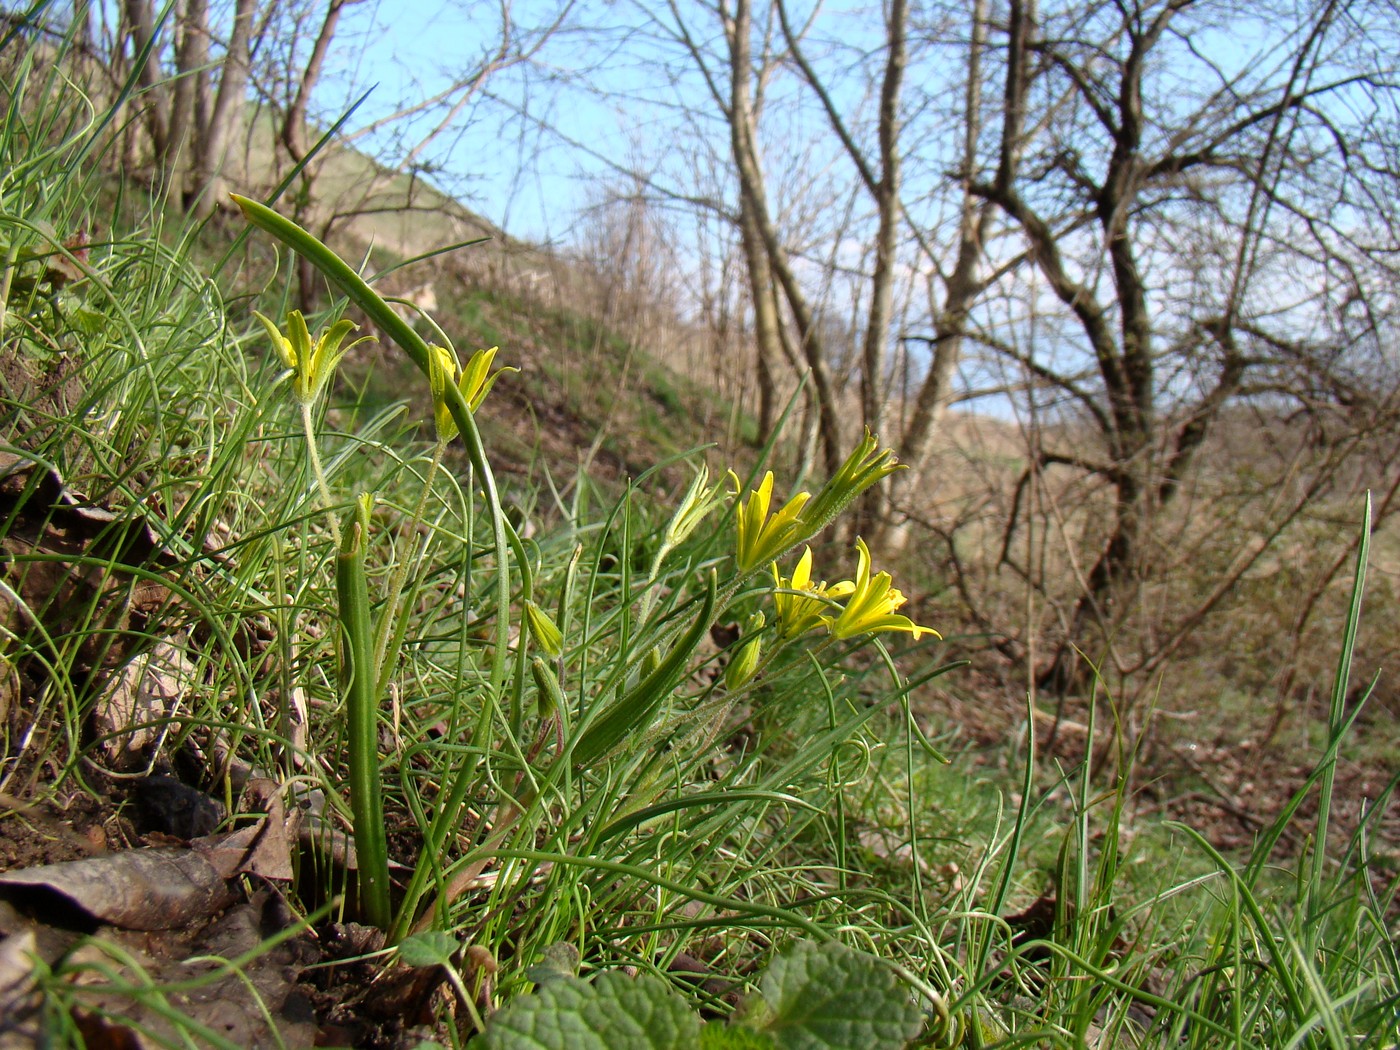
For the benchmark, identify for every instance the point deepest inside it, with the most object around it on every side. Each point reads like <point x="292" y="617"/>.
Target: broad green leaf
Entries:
<point x="613" y="1012"/>
<point x="558" y="961"/>
<point x="830" y="997"/>
<point x="717" y="1036"/>
<point x="433" y="948"/>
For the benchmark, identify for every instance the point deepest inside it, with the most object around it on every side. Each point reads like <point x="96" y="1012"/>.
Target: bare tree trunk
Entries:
<point x="85" y="40"/>
<point x="884" y="188"/>
<point x="1124" y="364"/>
<point x="765" y="306"/>
<point x="765" y="320"/>
<point x="874" y="388"/>
<point x="294" y="138"/>
<point x="207" y="189"/>
<point x="294" y="123"/>
<point x="962" y="290"/>
<point x="872" y="513"/>
<point x="140" y="27"/>
<point x="1108" y="591"/>
<point x="753" y="197"/>
<point x="189" y="94"/>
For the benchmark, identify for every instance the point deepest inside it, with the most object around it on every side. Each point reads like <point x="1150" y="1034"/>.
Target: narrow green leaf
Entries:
<point x="634" y="710"/>
<point x="358" y="679"/>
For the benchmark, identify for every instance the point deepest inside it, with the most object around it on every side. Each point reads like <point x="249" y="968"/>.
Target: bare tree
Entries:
<point x="961" y="288"/>
<point x="1141" y="218"/>
<point x="1149" y="225"/>
<point x="206" y="188"/>
<point x="859" y="122"/>
<point x="880" y="178"/>
<point x="774" y="267"/>
<point x="192" y="73"/>
<point x="140" y="33"/>
<point x="1120" y="185"/>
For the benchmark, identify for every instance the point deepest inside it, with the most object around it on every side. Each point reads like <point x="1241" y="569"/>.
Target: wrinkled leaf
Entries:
<point x="557" y="960"/>
<point x="717" y="1036"/>
<point x="9" y="688"/>
<point x="269" y="851"/>
<point x="613" y="1012"/>
<point x="830" y="997"/>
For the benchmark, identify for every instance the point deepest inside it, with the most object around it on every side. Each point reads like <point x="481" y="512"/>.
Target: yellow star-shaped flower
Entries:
<point x="761" y="538"/>
<point x="802" y="605"/>
<point x="311" y="364"/>
<point x="474" y="382"/>
<point x="872" y="604"/>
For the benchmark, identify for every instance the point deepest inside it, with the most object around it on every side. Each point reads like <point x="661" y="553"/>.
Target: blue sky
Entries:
<point x="507" y="168"/>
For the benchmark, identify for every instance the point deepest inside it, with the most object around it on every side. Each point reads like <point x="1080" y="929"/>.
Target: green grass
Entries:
<point x="646" y="810"/>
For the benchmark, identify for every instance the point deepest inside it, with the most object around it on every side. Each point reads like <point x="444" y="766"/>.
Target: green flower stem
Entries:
<point x="343" y="276"/>
<point x="359" y="678"/>
<point x="463" y="995"/>
<point x="339" y="273"/>
<point x="313" y="454"/>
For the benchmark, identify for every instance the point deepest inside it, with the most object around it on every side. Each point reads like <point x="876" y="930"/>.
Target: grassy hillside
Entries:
<point x="479" y="717"/>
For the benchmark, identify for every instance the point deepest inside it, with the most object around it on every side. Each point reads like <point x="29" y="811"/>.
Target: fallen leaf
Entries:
<point x="259" y="1005"/>
<point x="138" y="703"/>
<point x="144" y="889"/>
<point x="262" y="848"/>
<point x="66" y="566"/>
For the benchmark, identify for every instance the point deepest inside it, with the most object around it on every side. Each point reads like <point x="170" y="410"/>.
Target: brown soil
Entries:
<point x="1228" y="779"/>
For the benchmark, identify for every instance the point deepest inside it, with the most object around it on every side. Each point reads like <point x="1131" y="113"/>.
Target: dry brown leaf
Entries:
<point x="262" y="848"/>
<point x="139" y="702"/>
<point x="235" y="1006"/>
<point x="81" y="583"/>
<point x="144" y="889"/>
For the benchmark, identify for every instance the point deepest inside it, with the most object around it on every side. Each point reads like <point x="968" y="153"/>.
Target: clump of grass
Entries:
<point x="621" y="718"/>
<point x="1068" y="927"/>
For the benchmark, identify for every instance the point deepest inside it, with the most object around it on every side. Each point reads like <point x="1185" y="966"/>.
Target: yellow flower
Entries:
<point x="872" y="605"/>
<point x="311" y="365"/>
<point x="473" y="382"/>
<point x="800" y="612"/>
<point x="761" y="539"/>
